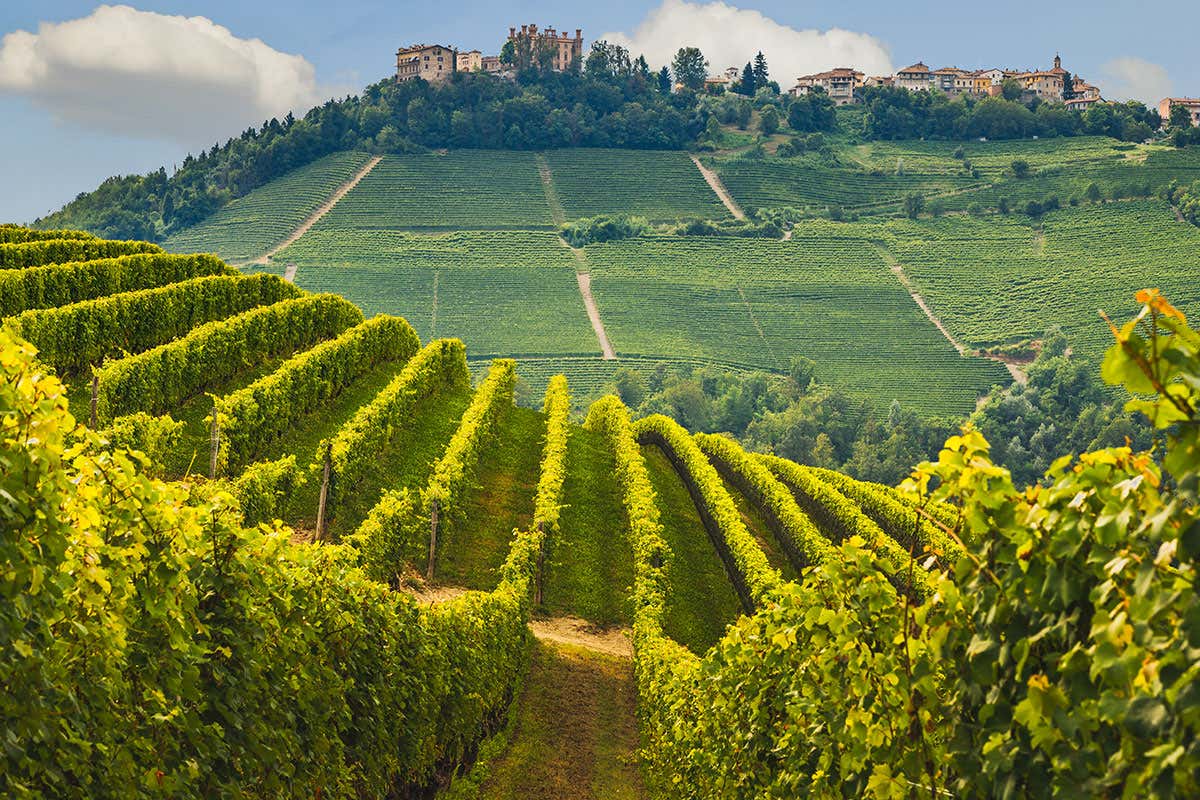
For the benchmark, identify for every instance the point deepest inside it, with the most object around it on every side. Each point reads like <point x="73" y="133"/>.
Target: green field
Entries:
<point x="461" y="190"/>
<point x="755" y="301"/>
<point x="1003" y="279"/>
<point x="657" y="185"/>
<point x="250" y="226"/>
<point x="509" y="292"/>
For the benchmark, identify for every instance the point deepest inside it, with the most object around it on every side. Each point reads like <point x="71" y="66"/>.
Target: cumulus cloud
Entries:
<point x="730" y="36"/>
<point x="138" y="73"/>
<point x="1129" y="78"/>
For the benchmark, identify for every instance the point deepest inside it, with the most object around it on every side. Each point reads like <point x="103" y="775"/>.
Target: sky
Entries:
<point x="90" y="90"/>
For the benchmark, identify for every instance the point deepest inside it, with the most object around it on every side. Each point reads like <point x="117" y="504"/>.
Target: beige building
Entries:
<point x="1192" y="104"/>
<point x="491" y="64"/>
<point x="915" y="78"/>
<point x="432" y="62"/>
<point x="838" y="83"/>
<point x="470" y="61"/>
<point x="566" y="49"/>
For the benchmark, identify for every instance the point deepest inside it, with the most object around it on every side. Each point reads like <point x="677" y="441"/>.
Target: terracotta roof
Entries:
<point x="917" y="67"/>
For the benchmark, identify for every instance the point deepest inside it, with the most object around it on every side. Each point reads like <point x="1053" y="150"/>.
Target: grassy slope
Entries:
<point x="589" y="567"/>
<point x="574" y="735"/>
<point x="700" y="598"/>
<point x="756" y="523"/>
<point x="501" y="500"/>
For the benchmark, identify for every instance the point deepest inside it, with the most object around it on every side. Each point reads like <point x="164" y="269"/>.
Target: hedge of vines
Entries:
<point x="745" y="561"/>
<point x="62" y="284"/>
<point x="840" y="519"/>
<point x="167" y="376"/>
<point x="456" y="470"/>
<point x="16" y="234"/>
<point x="253" y="417"/>
<point x="923" y="531"/>
<point x="374" y="428"/>
<point x="217" y="661"/>
<point x="798" y="536"/>
<point x="74" y="337"/>
<point x="58" y="251"/>
<point x="155" y="438"/>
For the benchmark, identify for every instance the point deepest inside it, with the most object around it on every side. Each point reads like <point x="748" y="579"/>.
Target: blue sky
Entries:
<point x="57" y="140"/>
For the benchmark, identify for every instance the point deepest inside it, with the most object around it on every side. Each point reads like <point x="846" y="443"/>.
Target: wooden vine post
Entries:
<point x="95" y="399"/>
<point x="433" y="526"/>
<point x="214" y="441"/>
<point x="323" y="498"/>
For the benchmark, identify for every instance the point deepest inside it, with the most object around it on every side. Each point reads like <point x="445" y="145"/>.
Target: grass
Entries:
<point x="701" y="600"/>
<point x="574" y="736"/>
<point x="501" y="501"/>
<point x="408" y="461"/>
<point x="589" y="566"/>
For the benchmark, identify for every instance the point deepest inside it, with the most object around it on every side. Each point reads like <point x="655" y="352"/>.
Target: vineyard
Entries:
<point x="271" y="548"/>
<point x="250" y="226"/>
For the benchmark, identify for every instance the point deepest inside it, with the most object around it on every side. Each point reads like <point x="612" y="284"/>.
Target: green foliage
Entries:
<point x="57" y="251"/>
<point x="745" y="560"/>
<point x="602" y="229"/>
<point x="441" y="364"/>
<point x="251" y="418"/>
<point x="690" y="68"/>
<point x="796" y="533"/>
<point x="16" y="234"/>
<point x="73" y="337"/>
<point x="264" y="489"/>
<point x="549" y="501"/>
<point x="154" y="437"/>
<point x="61" y="284"/>
<point x="162" y="378"/>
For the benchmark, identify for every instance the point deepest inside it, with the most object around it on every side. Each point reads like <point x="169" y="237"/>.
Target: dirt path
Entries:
<point x="556" y="210"/>
<point x="787" y="235"/>
<point x="580" y="632"/>
<point x="1178" y="214"/>
<point x="754" y="321"/>
<point x="714" y="181"/>
<point x="289" y="274"/>
<point x="433" y="312"/>
<point x="1014" y="370"/>
<point x="321" y="211"/>
<point x="584" y="279"/>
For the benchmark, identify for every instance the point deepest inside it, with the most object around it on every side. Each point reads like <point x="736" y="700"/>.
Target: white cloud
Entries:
<point x="138" y="73"/>
<point x="1129" y="78"/>
<point x="730" y="36"/>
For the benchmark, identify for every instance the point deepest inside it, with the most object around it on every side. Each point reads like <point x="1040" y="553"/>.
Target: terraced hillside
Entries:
<point x="354" y="546"/>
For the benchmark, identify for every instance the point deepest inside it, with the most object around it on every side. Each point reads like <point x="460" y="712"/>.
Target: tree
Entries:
<point x="508" y="53"/>
<point x="1020" y="168"/>
<point x="1180" y="118"/>
<point x="769" y="120"/>
<point x="665" y="85"/>
<point x="1093" y="193"/>
<point x="641" y="69"/>
<point x="914" y="204"/>
<point x="746" y="84"/>
<point x="690" y="68"/>
<point x="1011" y="89"/>
<point x="761" y="76"/>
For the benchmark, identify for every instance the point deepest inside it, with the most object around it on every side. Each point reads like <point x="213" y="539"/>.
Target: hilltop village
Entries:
<point x="559" y="51"/>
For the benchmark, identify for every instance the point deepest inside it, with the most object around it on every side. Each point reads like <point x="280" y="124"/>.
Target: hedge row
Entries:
<point x="899" y="519"/>
<point x="747" y="565"/>
<point x="154" y="437"/>
<point x="548" y="503"/>
<point x="798" y="536"/>
<point x="72" y="338"/>
<point x="353" y="452"/>
<point x="16" y="234"/>
<point x="62" y="284"/>
<point x="456" y="470"/>
<point x="840" y="519"/>
<point x="166" y="376"/>
<point x="264" y="489"/>
<point x="58" y="251"/>
<point x="253" y="417"/>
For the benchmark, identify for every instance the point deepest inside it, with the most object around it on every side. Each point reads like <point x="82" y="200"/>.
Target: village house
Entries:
<point x="1047" y="84"/>
<point x="838" y="83"/>
<point x="432" y="62"/>
<point x="916" y="78"/>
<point x="1192" y="104"/>
<point x="725" y="80"/>
<point x="952" y="80"/>
<point x="566" y="49"/>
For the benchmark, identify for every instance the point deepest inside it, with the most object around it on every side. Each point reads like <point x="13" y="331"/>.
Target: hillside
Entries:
<point x="324" y="569"/>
